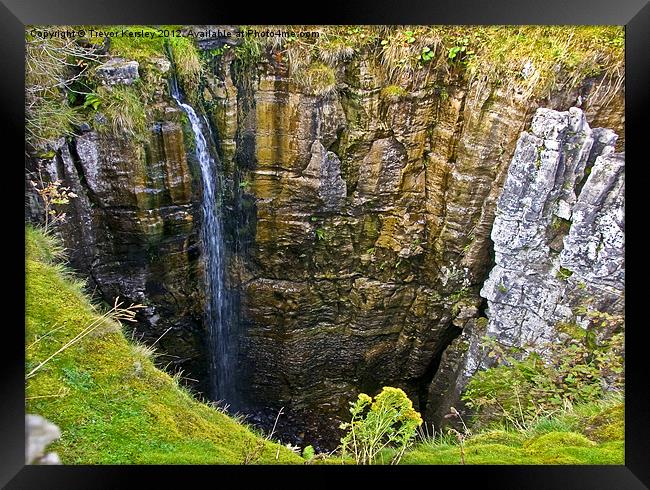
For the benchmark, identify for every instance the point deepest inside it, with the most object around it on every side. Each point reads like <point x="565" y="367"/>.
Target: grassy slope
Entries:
<point x="112" y="405"/>
<point x="589" y="434"/>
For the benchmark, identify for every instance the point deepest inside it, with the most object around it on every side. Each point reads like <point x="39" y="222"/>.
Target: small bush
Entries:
<point x="54" y="72"/>
<point x="387" y="422"/>
<point x="524" y="387"/>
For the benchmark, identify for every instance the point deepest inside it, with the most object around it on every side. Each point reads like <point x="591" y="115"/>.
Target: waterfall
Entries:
<point x="218" y="311"/>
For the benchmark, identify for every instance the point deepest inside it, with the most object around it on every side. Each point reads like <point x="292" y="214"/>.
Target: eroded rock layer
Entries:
<point x="558" y="241"/>
<point x="559" y="230"/>
<point x="133" y="227"/>
<point x="367" y="233"/>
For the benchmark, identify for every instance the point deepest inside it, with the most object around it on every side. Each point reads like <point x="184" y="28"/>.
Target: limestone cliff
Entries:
<point x="558" y="241"/>
<point x="559" y="230"/>
<point x="366" y="238"/>
<point x="359" y="216"/>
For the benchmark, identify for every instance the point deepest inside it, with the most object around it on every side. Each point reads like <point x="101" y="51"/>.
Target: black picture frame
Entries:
<point x="15" y="14"/>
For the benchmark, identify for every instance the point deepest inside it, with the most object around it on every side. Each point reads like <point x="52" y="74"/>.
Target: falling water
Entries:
<point x="217" y="305"/>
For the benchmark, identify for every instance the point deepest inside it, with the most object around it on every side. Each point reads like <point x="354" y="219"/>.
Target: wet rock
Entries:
<point x="132" y="230"/>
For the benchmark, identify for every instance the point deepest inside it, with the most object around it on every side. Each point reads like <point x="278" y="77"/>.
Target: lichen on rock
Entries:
<point x="118" y="71"/>
<point x="532" y="286"/>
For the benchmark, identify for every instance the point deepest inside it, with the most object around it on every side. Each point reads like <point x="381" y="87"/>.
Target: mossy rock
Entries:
<point x="393" y="93"/>
<point x="497" y="437"/>
<point x="552" y="440"/>
<point x="608" y="425"/>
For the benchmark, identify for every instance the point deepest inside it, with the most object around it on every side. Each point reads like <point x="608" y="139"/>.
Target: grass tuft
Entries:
<point x="317" y="79"/>
<point x="125" y="114"/>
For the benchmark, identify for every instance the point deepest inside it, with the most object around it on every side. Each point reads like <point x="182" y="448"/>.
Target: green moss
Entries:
<point x="503" y="437"/>
<point x="112" y="404"/>
<point x="500" y="448"/>
<point x="393" y="93"/>
<point x="141" y="48"/>
<point x="188" y="132"/>
<point x="475" y="454"/>
<point x="608" y="425"/>
<point x="482" y="322"/>
<point x="552" y="440"/>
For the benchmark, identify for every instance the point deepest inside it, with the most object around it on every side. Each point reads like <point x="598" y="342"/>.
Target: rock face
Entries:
<point x="558" y="244"/>
<point x="363" y="234"/>
<point x="39" y="433"/>
<point x="132" y="229"/>
<point x="559" y="230"/>
<point x="118" y="71"/>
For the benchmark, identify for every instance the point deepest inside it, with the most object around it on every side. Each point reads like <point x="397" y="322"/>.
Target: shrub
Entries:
<point x="525" y="387"/>
<point x="387" y="422"/>
<point x="53" y="195"/>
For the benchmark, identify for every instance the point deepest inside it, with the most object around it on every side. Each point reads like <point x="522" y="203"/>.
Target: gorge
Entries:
<point x="303" y="226"/>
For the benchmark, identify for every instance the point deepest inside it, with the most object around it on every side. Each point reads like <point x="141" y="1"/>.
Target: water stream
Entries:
<point x="218" y="308"/>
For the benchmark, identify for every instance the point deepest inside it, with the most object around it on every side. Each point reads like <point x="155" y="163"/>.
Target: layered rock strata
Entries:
<point x="357" y="226"/>
<point x="558" y="241"/>
<point x="365" y="237"/>
<point x="132" y="227"/>
<point x="559" y="230"/>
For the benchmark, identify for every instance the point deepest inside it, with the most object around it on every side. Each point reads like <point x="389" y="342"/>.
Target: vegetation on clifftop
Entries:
<point x="530" y="59"/>
<point x="62" y="92"/>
